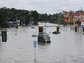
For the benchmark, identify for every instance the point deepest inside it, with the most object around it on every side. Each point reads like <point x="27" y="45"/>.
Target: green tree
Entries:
<point x="2" y="19"/>
<point x="35" y="17"/>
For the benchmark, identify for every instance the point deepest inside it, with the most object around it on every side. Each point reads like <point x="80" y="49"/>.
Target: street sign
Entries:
<point x="34" y="43"/>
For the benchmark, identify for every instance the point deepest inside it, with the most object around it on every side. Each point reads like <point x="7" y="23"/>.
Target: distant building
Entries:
<point x="74" y="17"/>
<point x="13" y="23"/>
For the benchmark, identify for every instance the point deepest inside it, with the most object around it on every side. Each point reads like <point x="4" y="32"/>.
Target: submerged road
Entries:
<point x="66" y="47"/>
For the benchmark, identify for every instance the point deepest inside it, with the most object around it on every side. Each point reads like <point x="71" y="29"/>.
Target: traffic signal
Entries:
<point x="4" y="36"/>
<point x="40" y="30"/>
<point x="76" y="28"/>
<point x="57" y="29"/>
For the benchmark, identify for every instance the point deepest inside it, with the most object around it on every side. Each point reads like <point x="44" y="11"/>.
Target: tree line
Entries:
<point x="25" y="16"/>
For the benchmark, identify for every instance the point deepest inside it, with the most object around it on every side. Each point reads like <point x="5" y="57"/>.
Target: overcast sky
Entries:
<point x="44" y="6"/>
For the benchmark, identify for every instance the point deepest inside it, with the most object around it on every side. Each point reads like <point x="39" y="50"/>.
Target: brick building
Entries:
<point x="74" y="17"/>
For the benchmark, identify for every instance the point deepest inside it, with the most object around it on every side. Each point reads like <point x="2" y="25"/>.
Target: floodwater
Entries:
<point x="66" y="47"/>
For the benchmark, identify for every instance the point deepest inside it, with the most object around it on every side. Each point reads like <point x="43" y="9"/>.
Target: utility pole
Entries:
<point x="81" y="13"/>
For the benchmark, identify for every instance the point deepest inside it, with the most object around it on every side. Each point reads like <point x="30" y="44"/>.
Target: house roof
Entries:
<point x="76" y="14"/>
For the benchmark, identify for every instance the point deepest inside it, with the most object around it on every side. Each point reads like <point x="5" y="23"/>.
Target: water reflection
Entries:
<point x="35" y="61"/>
<point x="43" y="44"/>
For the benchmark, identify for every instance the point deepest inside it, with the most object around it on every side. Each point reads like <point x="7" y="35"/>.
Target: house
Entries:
<point x="73" y="17"/>
<point x="76" y="16"/>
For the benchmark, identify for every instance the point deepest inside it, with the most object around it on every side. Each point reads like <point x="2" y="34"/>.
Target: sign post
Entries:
<point x="34" y="44"/>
